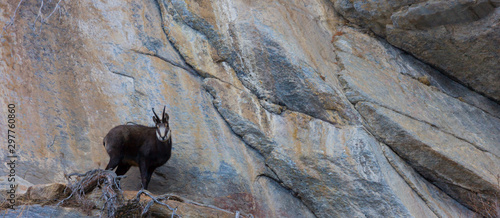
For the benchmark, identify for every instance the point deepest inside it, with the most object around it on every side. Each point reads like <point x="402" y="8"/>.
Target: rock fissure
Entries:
<point x="459" y="98"/>
<point x="357" y="97"/>
<point x="412" y="185"/>
<point x="53" y="141"/>
<point x="129" y="77"/>
<point x="188" y="67"/>
<point x="280" y="181"/>
<point x="347" y="88"/>
<point x="235" y="123"/>
<point x="181" y="17"/>
<point x="124" y="75"/>
<point x="433" y="67"/>
<point x="290" y="190"/>
<point x="445" y="180"/>
<point x="173" y="63"/>
<point x="432" y="125"/>
<point x="448" y="74"/>
<point x="253" y="147"/>
<point x="319" y="110"/>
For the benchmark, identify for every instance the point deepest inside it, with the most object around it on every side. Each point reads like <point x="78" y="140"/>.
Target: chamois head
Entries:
<point x="162" y="127"/>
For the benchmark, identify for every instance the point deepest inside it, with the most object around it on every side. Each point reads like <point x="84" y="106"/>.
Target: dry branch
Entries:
<point x="113" y="201"/>
<point x="112" y="195"/>
<point x="155" y="200"/>
<point x="11" y="22"/>
<point x="107" y="180"/>
<point x="39" y="15"/>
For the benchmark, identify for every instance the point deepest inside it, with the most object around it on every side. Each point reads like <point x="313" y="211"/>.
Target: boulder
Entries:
<point x="46" y="192"/>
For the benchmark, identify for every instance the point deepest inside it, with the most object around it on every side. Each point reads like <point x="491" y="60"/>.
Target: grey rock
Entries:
<point x="265" y="68"/>
<point x="457" y="167"/>
<point x="441" y="204"/>
<point x="457" y="151"/>
<point x="38" y="211"/>
<point x="312" y="160"/>
<point x="277" y="109"/>
<point x="461" y="38"/>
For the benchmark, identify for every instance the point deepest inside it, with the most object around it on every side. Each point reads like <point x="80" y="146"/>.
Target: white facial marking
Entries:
<point x="162" y="131"/>
<point x="168" y="134"/>
<point x="160" y="134"/>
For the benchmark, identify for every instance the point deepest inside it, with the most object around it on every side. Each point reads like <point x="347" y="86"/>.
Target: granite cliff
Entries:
<point x="339" y="108"/>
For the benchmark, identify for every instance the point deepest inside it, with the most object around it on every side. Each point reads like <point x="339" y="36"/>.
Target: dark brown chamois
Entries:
<point x="138" y="145"/>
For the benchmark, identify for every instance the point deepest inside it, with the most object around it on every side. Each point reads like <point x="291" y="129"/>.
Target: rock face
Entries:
<point x="43" y="200"/>
<point x="460" y="37"/>
<point x="277" y="109"/>
<point x="44" y="211"/>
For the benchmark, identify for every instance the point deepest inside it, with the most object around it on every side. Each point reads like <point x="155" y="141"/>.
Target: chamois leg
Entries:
<point x="113" y="162"/>
<point x="122" y="169"/>
<point x="150" y="173"/>
<point x="144" y="174"/>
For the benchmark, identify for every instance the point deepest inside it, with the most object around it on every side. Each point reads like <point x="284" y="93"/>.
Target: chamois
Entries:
<point x="138" y="145"/>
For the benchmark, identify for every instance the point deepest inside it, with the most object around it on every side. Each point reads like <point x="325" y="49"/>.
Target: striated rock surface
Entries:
<point x="460" y="37"/>
<point x="277" y="108"/>
<point x="457" y="150"/>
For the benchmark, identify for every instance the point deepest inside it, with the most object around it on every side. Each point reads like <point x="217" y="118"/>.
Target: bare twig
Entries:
<point x="39" y="15"/>
<point x="55" y="8"/>
<point x="155" y="200"/>
<point x="11" y="22"/>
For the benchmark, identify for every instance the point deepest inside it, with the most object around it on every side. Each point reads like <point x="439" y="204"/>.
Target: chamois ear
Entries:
<point x="164" y="116"/>
<point x="155" y="117"/>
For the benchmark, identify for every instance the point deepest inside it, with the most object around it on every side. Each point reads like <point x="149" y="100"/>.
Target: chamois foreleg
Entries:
<point x="122" y="169"/>
<point x="150" y="173"/>
<point x="113" y="162"/>
<point x="143" y="167"/>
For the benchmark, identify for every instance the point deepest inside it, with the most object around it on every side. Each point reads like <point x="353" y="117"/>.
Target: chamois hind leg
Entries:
<point x="122" y="169"/>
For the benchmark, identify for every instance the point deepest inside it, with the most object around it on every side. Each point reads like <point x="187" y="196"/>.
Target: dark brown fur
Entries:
<point x="137" y="145"/>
